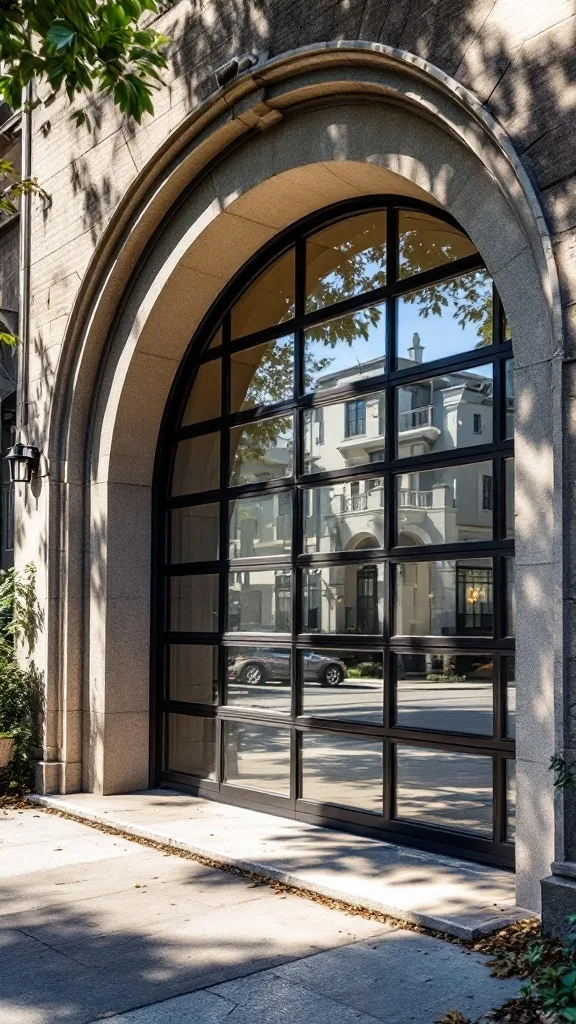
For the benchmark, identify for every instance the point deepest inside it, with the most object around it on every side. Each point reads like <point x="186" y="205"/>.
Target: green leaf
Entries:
<point x="61" y="36"/>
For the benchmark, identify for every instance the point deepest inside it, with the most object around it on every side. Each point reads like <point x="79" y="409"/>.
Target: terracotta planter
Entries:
<point x="6" y="749"/>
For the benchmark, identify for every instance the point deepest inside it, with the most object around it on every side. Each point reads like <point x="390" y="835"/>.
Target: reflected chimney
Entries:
<point x="416" y="349"/>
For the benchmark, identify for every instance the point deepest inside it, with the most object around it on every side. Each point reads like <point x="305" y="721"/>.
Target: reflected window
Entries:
<point x="197" y="465"/>
<point x="192" y="745"/>
<point x="194" y="533"/>
<point x="510" y="677"/>
<point x="445" y="692"/>
<point x="205" y="401"/>
<point x="347" y="434"/>
<point x="345" y="350"/>
<point x="343" y="599"/>
<point x="509" y="398"/>
<point x="259" y="677"/>
<point x="261" y="451"/>
<point x="344" y="685"/>
<point x="267" y="302"/>
<point x="442" y="413"/>
<point x="262" y="375"/>
<point x="257" y="757"/>
<point x="340" y="769"/>
<point x="344" y="516"/>
<point x="445" y="319"/>
<point x="510" y="576"/>
<point x="193" y="673"/>
<point x="426" y="242"/>
<point x="194" y="604"/>
<point x="444" y="598"/>
<point x="509" y="487"/>
<point x="510" y="799"/>
<point x="346" y="259"/>
<point x="261" y="525"/>
<point x="444" y="506"/>
<point x="259" y="601"/>
<point x="444" y="788"/>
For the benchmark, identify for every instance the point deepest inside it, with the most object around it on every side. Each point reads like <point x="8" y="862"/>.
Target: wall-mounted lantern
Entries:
<point x="22" y="460"/>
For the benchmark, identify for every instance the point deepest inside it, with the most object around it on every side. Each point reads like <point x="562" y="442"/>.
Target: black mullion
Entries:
<point x="499" y="588"/>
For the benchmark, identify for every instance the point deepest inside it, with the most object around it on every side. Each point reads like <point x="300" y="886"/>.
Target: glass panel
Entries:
<point x="338" y="769"/>
<point x="262" y="375"/>
<point x="439" y="414"/>
<point x="446" y="598"/>
<point x="510" y="677"/>
<point x="269" y="301"/>
<point x="259" y="677"/>
<point x="345" y="259"/>
<point x="510" y="799"/>
<point x="444" y="788"/>
<point x="343" y="599"/>
<point x="345" y="350"/>
<point x="261" y="525"/>
<point x="261" y="451"/>
<point x="260" y="601"/>
<point x="344" y="434"/>
<point x="193" y="673"/>
<point x="205" y="402"/>
<point x="509" y="474"/>
<point x="440" y="506"/>
<point x="510" y="400"/>
<point x="344" y="517"/>
<point x="426" y="242"/>
<point x="445" y="692"/>
<point x="445" y="319"/>
<point x="195" y="533"/>
<point x="192" y="745"/>
<point x="194" y="604"/>
<point x="510" y="597"/>
<point x="257" y="757"/>
<point x="346" y="685"/>
<point x="197" y="465"/>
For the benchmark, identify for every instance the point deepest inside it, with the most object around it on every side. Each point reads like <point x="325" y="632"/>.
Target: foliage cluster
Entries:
<point x="366" y="670"/>
<point x="21" y="692"/>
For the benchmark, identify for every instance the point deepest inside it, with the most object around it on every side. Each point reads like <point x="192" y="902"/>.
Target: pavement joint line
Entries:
<point x="275" y="877"/>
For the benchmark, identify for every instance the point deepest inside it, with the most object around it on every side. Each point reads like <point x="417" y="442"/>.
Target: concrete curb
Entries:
<point x="270" y="873"/>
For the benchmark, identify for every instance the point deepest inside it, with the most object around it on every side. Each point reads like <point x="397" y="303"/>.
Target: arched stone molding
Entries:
<point x="292" y="136"/>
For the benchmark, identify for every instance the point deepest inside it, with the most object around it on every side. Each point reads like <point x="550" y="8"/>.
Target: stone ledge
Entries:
<point x="445" y="894"/>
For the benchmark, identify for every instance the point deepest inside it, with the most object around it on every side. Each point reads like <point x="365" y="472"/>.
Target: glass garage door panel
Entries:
<point x="257" y="757"/>
<point x="340" y="769"/>
<point x="344" y="685"/>
<point x="335" y="535"/>
<point x="442" y="788"/>
<point x="259" y="677"/>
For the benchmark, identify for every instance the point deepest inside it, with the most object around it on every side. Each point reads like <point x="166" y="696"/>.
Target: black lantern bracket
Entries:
<point x="23" y="462"/>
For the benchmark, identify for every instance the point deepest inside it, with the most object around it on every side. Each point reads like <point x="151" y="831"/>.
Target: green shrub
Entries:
<point x="21" y="689"/>
<point x="553" y="985"/>
<point x="366" y="670"/>
<point x="444" y="677"/>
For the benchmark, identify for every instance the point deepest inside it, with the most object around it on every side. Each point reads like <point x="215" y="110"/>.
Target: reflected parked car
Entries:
<point x="257" y="667"/>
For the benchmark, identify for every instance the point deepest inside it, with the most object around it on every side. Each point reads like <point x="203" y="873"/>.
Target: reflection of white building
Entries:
<point x="434" y="506"/>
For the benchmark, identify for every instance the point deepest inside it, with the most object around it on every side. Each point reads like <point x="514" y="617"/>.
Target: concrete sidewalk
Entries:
<point x="94" y="926"/>
<point x="445" y="893"/>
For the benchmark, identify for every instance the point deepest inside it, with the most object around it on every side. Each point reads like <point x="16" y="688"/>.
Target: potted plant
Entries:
<point x="6" y="749"/>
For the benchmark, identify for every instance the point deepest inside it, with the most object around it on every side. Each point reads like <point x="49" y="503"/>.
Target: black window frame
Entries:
<point x="499" y="746"/>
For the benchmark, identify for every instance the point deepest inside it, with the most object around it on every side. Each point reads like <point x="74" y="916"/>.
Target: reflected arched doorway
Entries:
<point x="350" y="392"/>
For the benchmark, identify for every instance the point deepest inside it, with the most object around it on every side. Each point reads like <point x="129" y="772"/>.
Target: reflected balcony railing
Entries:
<point x="415" y="418"/>
<point x="415" y="499"/>
<point x="362" y="502"/>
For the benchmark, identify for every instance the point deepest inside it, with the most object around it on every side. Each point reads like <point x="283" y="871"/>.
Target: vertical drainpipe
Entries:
<point x="25" y="244"/>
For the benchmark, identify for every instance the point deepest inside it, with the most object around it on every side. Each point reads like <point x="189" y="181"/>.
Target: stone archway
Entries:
<point x="312" y="157"/>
